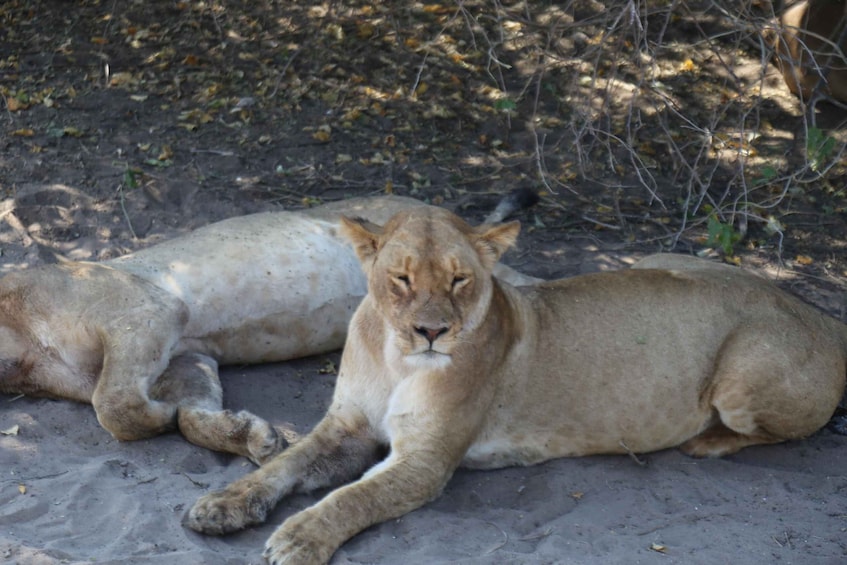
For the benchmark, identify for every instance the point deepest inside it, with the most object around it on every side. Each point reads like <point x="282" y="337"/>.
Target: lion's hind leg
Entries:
<point x="769" y="387"/>
<point x="719" y="440"/>
<point x="191" y="385"/>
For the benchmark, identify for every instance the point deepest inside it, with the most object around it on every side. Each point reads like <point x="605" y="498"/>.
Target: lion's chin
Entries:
<point x="428" y="359"/>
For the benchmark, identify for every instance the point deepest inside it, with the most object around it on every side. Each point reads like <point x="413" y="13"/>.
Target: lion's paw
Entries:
<point x="227" y="511"/>
<point x="301" y="540"/>
<point x="264" y="442"/>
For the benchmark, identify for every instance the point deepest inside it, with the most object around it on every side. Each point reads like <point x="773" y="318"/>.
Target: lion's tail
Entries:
<point x="518" y="199"/>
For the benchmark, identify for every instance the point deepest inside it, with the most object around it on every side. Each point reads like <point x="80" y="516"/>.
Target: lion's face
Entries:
<point x="429" y="275"/>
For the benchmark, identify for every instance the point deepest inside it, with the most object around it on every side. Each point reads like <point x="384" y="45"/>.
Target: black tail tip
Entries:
<point x="523" y="198"/>
<point x="517" y="199"/>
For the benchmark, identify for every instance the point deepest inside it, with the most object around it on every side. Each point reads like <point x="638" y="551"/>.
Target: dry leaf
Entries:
<point x="804" y="259"/>
<point x="22" y="489"/>
<point x="13" y="104"/>
<point x="329" y="368"/>
<point x="365" y="30"/>
<point x="436" y="9"/>
<point x="23" y="132"/>
<point x="167" y="153"/>
<point x="658" y="547"/>
<point x="13" y="431"/>
<point x="323" y="134"/>
<point x="121" y="79"/>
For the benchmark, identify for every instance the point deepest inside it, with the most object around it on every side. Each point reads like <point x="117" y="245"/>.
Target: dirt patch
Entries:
<point x="125" y="124"/>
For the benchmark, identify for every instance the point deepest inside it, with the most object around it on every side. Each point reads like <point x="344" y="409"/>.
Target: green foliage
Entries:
<point x="722" y="235"/>
<point x="130" y="180"/>
<point x="819" y="148"/>
<point x="768" y="174"/>
<point x="505" y="105"/>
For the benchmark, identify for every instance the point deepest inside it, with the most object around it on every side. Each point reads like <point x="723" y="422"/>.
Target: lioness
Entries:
<point x="811" y="44"/>
<point x="444" y="365"/>
<point x="140" y="336"/>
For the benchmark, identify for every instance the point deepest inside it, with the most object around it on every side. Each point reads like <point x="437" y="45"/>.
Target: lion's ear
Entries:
<point x="492" y="241"/>
<point x="363" y="235"/>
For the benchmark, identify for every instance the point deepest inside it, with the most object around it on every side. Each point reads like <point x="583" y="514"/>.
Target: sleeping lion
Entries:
<point x="140" y="337"/>
<point x="445" y="365"/>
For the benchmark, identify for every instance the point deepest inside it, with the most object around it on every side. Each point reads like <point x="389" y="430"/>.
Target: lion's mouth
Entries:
<point x="429" y="358"/>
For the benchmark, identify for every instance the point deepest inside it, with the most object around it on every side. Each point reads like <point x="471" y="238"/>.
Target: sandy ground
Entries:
<point x="69" y="493"/>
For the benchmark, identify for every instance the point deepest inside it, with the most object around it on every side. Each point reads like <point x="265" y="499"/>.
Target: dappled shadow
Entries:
<point x="638" y="122"/>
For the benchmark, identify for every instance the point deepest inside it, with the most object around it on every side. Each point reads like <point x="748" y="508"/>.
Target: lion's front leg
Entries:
<point x="400" y="484"/>
<point x="336" y="451"/>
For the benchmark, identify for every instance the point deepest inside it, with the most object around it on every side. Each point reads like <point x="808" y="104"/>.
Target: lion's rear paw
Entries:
<point x="263" y="442"/>
<point x="719" y="440"/>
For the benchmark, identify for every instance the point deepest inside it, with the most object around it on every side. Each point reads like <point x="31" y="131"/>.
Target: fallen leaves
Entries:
<point x="323" y="133"/>
<point x="688" y="66"/>
<point x="192" y="119"/>
<point x="659" y="548"/>
<point x="328" y="368"/>
<point x="16" y="104"/>
<point x="123" y="80"/>
<point x="804" y="260"/>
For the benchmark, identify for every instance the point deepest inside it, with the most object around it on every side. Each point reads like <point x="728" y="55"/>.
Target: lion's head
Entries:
<point x="429" y="277"/>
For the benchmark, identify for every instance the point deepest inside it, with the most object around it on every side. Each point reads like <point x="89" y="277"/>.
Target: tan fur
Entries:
<point x="140" y="336"/>
<point x="446" y="366"/>
<point x="807" y="46"/>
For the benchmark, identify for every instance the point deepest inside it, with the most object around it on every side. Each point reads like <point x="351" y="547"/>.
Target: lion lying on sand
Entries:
<point x="140" y="336"/>
<point x="444" y="365"/>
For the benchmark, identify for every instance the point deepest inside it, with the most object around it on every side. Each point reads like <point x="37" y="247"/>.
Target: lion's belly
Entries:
<point x="501" y="447"/>
<point x="266" y="287"/>
<point x="278" y="336"/>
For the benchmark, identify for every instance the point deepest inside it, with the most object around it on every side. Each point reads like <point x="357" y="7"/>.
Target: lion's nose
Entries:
<point x="431" y="334"/>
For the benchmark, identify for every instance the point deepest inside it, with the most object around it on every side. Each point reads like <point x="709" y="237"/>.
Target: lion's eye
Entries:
<point x="459" y="281"/>
<point x="401" y="280"/>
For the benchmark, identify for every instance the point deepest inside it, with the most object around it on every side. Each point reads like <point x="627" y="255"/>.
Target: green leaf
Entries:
<point x="505" y="105"/>
<point x="130" y="180"/>
<point x="819" y="148"/>
<point x="722" y="235"/>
